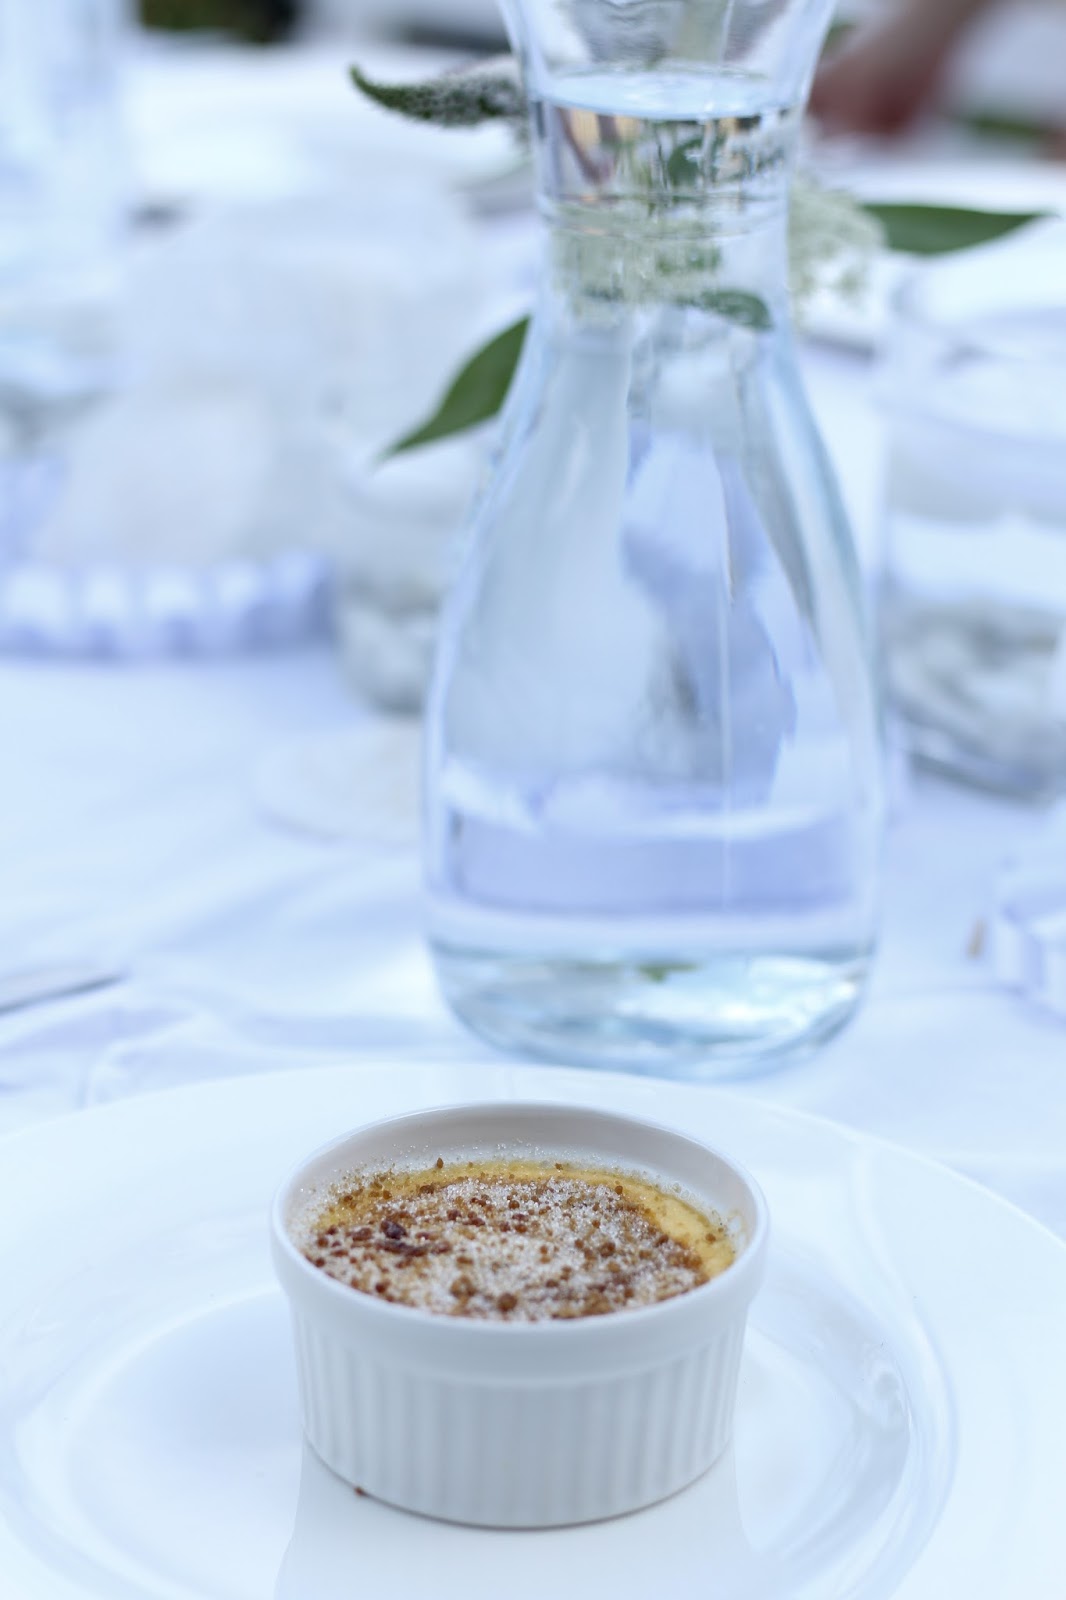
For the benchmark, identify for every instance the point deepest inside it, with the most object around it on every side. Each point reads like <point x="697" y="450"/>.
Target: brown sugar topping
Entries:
<point x="515" y="1240"/>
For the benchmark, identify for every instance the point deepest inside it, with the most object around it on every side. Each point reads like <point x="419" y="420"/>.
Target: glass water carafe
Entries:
<point x="653" y="786"/>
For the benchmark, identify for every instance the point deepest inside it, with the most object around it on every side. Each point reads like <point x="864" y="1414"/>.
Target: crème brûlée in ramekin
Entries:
<point x="515" y="1240"/>
<point x="519" y="1315"/>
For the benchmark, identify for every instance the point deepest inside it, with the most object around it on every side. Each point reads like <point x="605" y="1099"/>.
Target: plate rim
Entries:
<point x="244" y="1082"/>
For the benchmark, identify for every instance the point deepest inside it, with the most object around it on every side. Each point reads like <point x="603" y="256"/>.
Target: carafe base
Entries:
<point x="707" y="1016"/>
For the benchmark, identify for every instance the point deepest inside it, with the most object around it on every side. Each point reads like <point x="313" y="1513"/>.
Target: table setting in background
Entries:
<point x="490" y="620"/>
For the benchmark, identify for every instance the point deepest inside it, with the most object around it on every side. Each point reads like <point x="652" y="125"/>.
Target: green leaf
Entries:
<point x="838" y="33"/>
<point x="737" y="305"/>
<point x="655" y="972"/>
<point x="479" y="388"/>
<point x="476" y="392"/>
<point x="994" y="125"/>
<point x="662" y="972"/>
<point x="456" y="100"/>
<point x="683" y="165"/>
<point x="922" y="230"/>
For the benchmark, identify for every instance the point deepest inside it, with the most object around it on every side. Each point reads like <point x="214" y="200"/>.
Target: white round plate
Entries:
<point x="899" y="1428"/>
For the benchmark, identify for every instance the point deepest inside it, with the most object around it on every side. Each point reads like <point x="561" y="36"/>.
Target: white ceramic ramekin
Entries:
<point x="521" y="1424"/>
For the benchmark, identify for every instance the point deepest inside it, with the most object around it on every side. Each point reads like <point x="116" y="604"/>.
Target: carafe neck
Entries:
<point x="655" y="196"/>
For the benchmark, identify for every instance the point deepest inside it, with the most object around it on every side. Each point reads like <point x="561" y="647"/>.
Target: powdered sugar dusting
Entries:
<point x="514" y="1240"/>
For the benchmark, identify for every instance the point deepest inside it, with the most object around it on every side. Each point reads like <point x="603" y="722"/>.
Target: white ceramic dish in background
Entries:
<point x="405" y="517"/>
<point x="900" y="1413"/>
<point x="532" y="1425"/>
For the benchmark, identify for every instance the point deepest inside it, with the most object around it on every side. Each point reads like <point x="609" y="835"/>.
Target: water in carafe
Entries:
<point x="653" y="777"/>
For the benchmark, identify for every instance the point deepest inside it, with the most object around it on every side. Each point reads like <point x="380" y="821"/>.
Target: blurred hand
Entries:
<point x="885" y="75"/>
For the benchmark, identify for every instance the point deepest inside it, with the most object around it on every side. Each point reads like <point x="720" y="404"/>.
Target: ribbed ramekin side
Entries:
<point x="515" y="1455"/>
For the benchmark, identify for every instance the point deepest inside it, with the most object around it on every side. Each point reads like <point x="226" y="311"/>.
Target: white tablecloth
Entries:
<point x="131" y="835"/>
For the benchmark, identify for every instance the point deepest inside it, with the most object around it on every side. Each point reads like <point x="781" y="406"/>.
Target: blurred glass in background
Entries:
<point x="62" y="196"/>
<point x="208" y="332"/>
<point x="973" y="593"/>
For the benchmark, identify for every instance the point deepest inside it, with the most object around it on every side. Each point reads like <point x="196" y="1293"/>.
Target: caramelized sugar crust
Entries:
<point x="515" y="1240"/>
